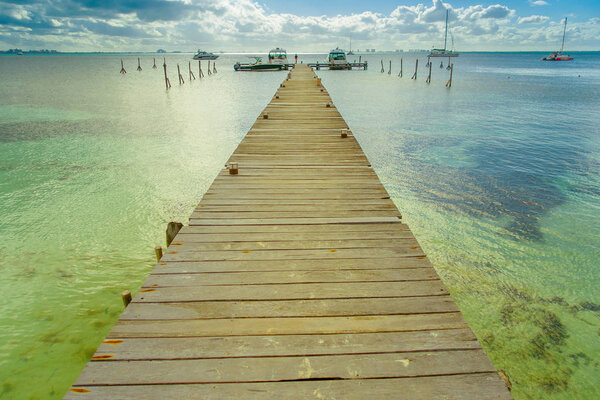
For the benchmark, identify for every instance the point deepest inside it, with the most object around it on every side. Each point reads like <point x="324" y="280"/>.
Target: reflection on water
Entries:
<point x="497" y="177"/>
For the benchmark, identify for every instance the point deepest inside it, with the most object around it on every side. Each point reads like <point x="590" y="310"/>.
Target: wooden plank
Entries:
<point x="293" y="221"/>
<point x="285" y="345"/>
<point x="288" y="308"/>
<point x="290" y="265"/>
<point x="286" y="368"/>
<point x="483" y="386"/>
<point x="291" y="291"/>
<point x="281" y="277"/>
<point x="286" y="326"/>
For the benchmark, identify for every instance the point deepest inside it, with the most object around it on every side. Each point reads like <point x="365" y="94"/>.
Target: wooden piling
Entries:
<point x="449" y="83"/>
<point x="123" y="68"/>
<point x="139" y="68"/>
<point x="382" y="70"/>
<point x="159" y="252"/>
<point x="214" y="67"/>
<point x="181" y="81"/>
<point x="154" y="65"/>
<point x="200" y="73"/>
<point x="208" y="68"/>
<point x="416" y="69"/>
<point x="390" y="69"/>
<point x="167" y="83"/>
<point x="428" y="80"/>
<point x="400" y="73"/>
<point x="126" y="297"/>
<point x="191" y="74"/>
<point x="173" y="229"/>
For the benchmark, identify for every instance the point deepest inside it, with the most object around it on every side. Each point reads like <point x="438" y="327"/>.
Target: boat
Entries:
<point x="443" y="52"/>
<point x="205" y="55"/>
<point x="337" y="59"/>
<point x="258" y="65"/>
<point x="558" y="55"/>
<point x="278" y="56"/>
<point x="350" y="53"/>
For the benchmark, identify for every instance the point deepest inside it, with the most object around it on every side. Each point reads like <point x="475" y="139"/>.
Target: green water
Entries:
<point x="498" y="179"/>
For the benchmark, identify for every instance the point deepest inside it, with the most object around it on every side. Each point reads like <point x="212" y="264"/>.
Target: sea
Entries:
<point x="498" y="177"/>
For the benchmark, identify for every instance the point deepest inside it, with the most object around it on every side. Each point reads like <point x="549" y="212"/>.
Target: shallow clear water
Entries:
<point x="498" y="178"/>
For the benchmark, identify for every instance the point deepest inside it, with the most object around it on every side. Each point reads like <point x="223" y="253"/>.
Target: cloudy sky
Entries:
<point x="298" y="25"/>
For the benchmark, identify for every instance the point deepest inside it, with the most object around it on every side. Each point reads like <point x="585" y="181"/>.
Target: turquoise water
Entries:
<point x="498" y="177"/>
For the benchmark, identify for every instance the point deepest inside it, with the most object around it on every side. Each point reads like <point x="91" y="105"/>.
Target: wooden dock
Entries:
<point x="295" y="279"/>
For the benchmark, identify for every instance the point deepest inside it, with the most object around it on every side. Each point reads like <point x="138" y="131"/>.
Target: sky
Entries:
<point x="298" y="25"/>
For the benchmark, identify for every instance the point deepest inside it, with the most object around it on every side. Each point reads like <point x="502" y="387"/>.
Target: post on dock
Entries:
<point x="167" y="83"/>
<point x="190" y="70"/>
<point x="181" y="81"/>
<point x="265" y="115"/>
<point x="122" y="67"/>
<point x="208" y="69"/>
<point x="382" y="70"/>
<point x="428" y="80"/>
<point x="318" y="81"/>
<point x="126" y="296"/>
<point x="139" y="68"/>
<point x="233" y="168"/>
<point x="416" y="69"/>
<point x="158" y="252"/>
<point x="344" y="133"/>
<point x="200" y="73"/>
<point x="449" y="83"/>
<point x="400" y="73"/>
<point x="154" y="66"/>
<point x="173" y="229"/>
<point x="390" y="70"/>
<point x="328" y="105"/>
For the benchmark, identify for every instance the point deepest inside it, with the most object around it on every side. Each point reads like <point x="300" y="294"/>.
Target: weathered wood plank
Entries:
<point x="286" y="326"/>
<point x="288" y="308"/>
<point x="286" y="345"/>
<point x="291" y="291"/>
<point x="173" y="267"/>
<point x="483" y="386"/>
<point x="362" y="366"/>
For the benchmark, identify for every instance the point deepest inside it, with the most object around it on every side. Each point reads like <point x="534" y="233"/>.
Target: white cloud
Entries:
<point x="245" y="25"/>
<point x="538" y="3"/>
<point x="533" y="19"/>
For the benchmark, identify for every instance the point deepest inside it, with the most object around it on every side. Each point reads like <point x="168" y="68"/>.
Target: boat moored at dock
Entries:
<point x="337" y="59"/>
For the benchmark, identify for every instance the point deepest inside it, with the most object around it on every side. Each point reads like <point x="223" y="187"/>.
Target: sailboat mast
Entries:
<point x="564" y="32"/>
<point x="446" y="34"/>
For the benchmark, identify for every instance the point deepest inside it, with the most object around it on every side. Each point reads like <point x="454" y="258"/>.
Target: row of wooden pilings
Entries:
<point x="414" y="76"/>
<point x="181" y="80"/>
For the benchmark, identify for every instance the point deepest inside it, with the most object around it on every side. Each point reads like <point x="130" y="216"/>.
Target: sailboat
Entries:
<point x="350" y="53"/>
<point x="443" y="52"/>
<point x="558" y="55"/>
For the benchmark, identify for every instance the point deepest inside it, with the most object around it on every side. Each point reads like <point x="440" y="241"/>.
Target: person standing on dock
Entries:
<point x="296" y="58"/>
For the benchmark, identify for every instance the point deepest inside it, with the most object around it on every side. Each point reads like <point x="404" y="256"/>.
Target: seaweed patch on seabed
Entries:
<point x="494" y="188"/>
<point x="546" y="342"/>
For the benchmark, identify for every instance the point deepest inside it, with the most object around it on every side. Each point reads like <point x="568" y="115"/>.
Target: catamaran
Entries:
<point x="558" y="55"/>
<point x="443" y="52"/>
